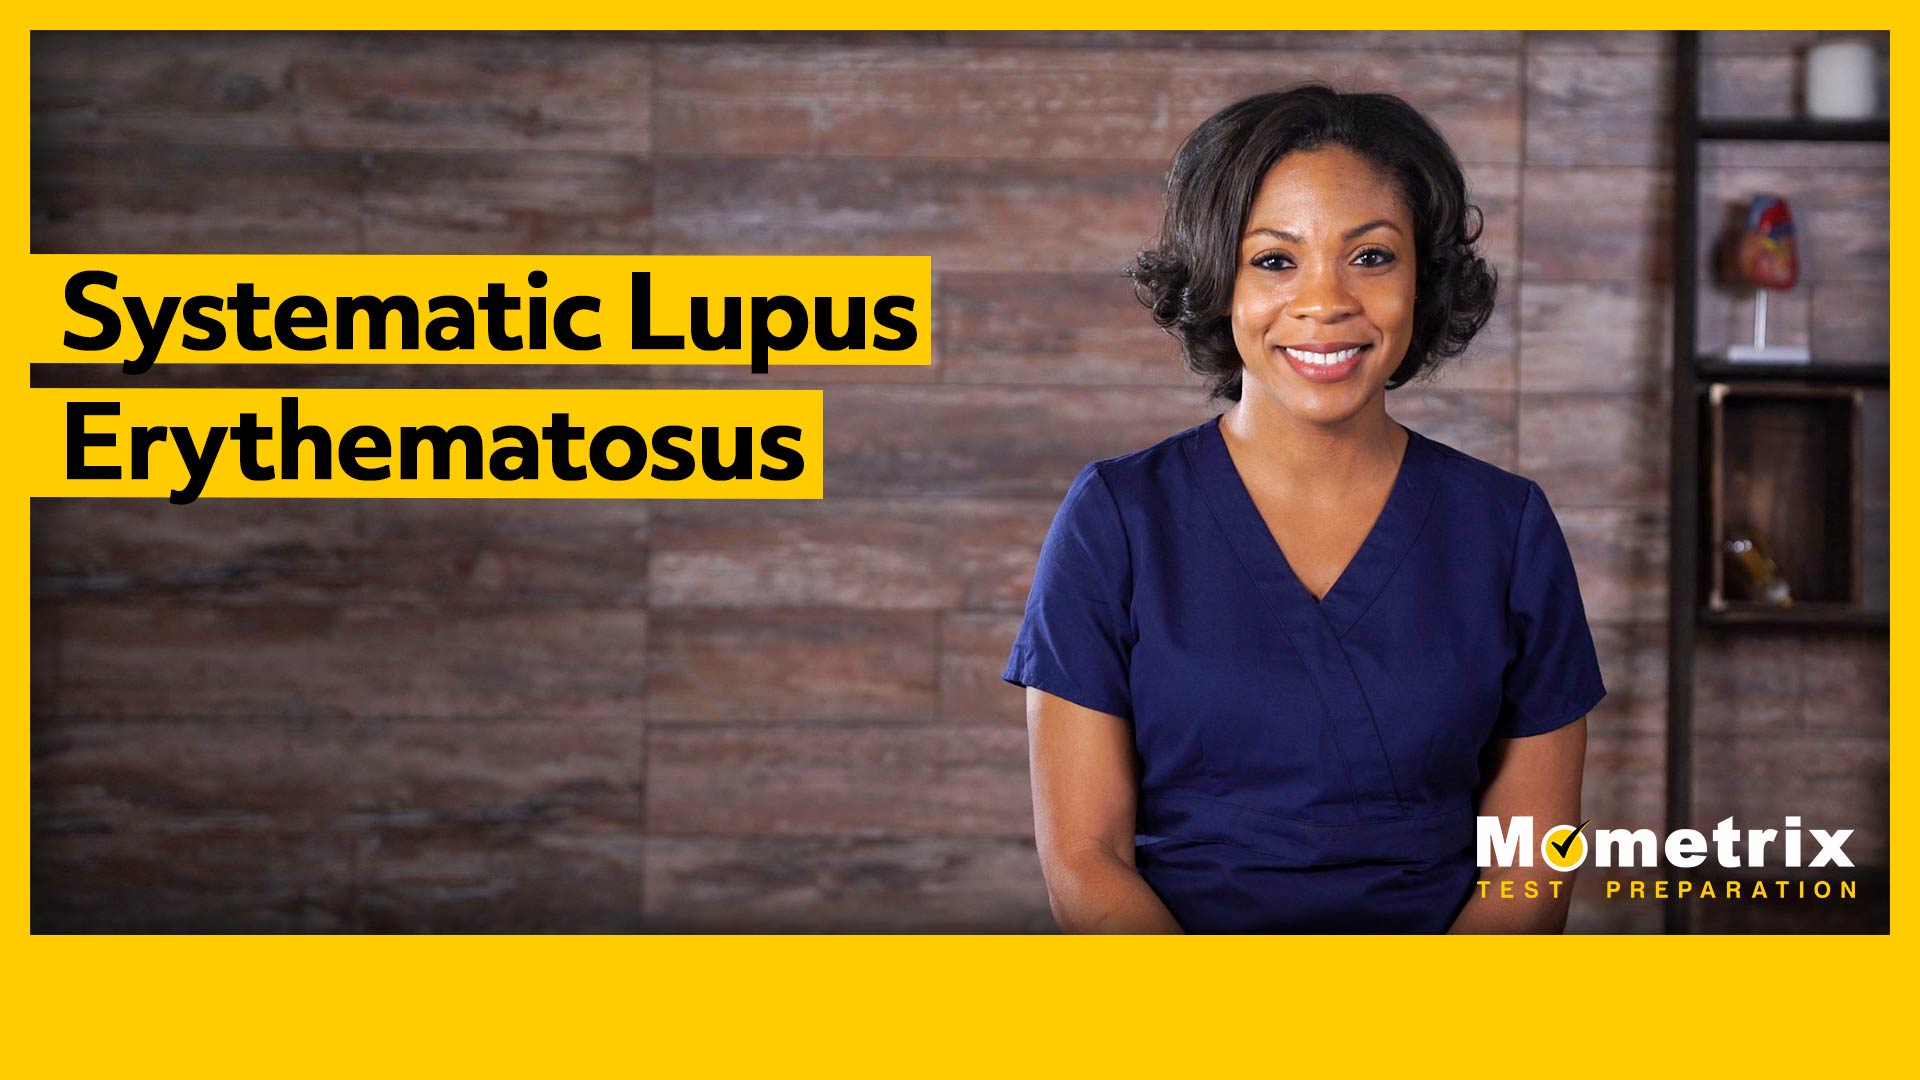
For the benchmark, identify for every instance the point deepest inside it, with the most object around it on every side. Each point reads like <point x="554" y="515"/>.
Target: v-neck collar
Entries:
<point x="1385" y="546"/>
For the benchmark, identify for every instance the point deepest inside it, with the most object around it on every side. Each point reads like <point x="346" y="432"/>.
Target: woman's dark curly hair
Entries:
<point x="1187" y="278"/>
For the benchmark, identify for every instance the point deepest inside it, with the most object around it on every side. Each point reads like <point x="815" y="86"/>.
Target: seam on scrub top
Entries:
<point x="1410" y="820"/>
<point x="1563" y="717"/>
<point x="1513" y="559"/>
<point x="1340" y="637"/>
<point x="1126" y="541"/>
<point x="1326" y="707"/>
<point x="1426" y="514"/>
<point x="1032" y="672"/>
<point x="1081" y="697"/>
<point x="1373" y="722"/>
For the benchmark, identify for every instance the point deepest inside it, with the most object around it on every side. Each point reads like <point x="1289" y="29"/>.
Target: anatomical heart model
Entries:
<point x="1764" y="256"/>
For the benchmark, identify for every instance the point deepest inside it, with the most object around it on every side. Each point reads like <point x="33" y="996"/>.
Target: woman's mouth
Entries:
<point x="1326" y="363"/>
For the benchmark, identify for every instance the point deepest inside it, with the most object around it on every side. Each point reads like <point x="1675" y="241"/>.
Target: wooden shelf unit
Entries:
<point x="1699" y="497"/>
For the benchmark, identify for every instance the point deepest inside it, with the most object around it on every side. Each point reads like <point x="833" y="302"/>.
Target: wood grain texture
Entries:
<point x="1876" y="434"/>
<point x="1195" y="40"/>
<point x="718" y="667"/>
<point x="133" y="89"/>
<point x="1737" y="42"/>
<point x="878" y="554"/>
<point x="1765" y="85"/>
<point x="425" y="554"/>
<point x="1050" y="329"/>
<point x="289" y="824"/>
<point x="331" y="772"/>
<point x="1748" y="683"/>
<point x="1495" y="191"/>
<point x="1595" y="336"/>
<point x="1724" y="154"/>
<point x="1876" y="582"/>
<point x="388" y="91"/>
<point x="1599" y="108"/>
<point x="800" y="885"/>
<point x="974" y="647"/>
<point x="1633" y="663"/>
<point x="1473" y="422"/>
<point x="1849" y="321"/>
<point x="160" y="199"/>
<point x="1620" y="556"/>
<point x="835" y="780"/>
<point x="174" y="658"/>
<point x="576" y="877"/>
<point x="212" y="880"/>
<point x="1284" y="43"/>
<point x="990" y="441"/>
<point x="909" y="101"/>
<point x="44" y="637"/>
<point x="1023" y="102"/>
<point x="183" y="198"/>
<point x="1845" y="681"/>
<point x="1598" y="42"/>
<point x="1473" y="98"/>
<point x="1596" y="449"/>
<point x="970" y="215"/>
<point x="1596" y="224"/>
<point x="1492" y="359"/>
<point x="1793" y="681"/>
<point x="487" y="203"/>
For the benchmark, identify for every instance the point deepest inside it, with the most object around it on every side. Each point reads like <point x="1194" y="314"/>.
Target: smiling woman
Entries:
<point x="1278" y="663"/>
<point x="1221" y="192"/>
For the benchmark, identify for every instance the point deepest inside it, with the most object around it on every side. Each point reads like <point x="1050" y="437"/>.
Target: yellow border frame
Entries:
<point x="147" y="1006"/>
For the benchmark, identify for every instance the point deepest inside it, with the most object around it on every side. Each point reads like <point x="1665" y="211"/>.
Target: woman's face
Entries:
<point x="1323" y="300"/>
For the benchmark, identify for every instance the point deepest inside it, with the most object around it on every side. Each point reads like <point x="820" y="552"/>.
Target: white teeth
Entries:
<point x="1324" y="359"/>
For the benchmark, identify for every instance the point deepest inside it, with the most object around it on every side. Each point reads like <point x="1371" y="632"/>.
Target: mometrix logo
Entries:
<point x="1565" y="847"/>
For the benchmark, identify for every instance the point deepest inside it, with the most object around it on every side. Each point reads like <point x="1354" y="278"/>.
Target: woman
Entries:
<point x="1276" y="664"/>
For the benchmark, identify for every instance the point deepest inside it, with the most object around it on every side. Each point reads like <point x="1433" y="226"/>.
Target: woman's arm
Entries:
<point x="1083" y="806"/>
<point x="1538" y="776"/>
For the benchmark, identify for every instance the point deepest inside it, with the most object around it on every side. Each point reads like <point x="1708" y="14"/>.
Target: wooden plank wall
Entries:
<point x="443" y="715"/>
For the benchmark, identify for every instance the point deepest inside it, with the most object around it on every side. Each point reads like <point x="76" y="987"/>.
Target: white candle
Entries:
<point x="1840" y="80"/>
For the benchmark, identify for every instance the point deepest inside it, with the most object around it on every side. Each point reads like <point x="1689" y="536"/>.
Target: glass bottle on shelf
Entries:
<point x="1751" y="564"/>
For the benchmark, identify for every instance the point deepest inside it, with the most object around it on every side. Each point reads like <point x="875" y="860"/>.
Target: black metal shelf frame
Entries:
<point x="1709" y="370"/>
<point x="1742" y="130"/>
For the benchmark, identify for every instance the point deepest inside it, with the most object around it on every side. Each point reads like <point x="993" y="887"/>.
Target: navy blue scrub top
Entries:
<point x="1308" y="766"/>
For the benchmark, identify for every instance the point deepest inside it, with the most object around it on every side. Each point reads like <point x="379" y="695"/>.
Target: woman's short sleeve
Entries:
<point x="1077" y="637"/>
<point x="1554" y="676"/>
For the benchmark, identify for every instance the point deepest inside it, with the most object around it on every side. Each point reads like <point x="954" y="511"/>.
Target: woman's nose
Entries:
<point x="1323" y="295"/>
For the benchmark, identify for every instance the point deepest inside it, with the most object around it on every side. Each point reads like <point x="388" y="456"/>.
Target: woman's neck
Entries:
<point x="1312" y="461"/>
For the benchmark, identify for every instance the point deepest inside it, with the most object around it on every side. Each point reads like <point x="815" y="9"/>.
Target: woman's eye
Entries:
<point x="1374" y="257"/>
<point x="1271" y="261"/>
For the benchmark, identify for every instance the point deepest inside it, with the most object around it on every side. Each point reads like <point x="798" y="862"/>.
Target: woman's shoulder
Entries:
<point x="1142" y="474"/>
<point x="1477" y="477"/>
<point x="1480" y="495"/>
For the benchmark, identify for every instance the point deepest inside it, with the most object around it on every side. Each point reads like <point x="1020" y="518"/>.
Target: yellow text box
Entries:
<point x="139" y="310"/>
<point x="614" y="444"/>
